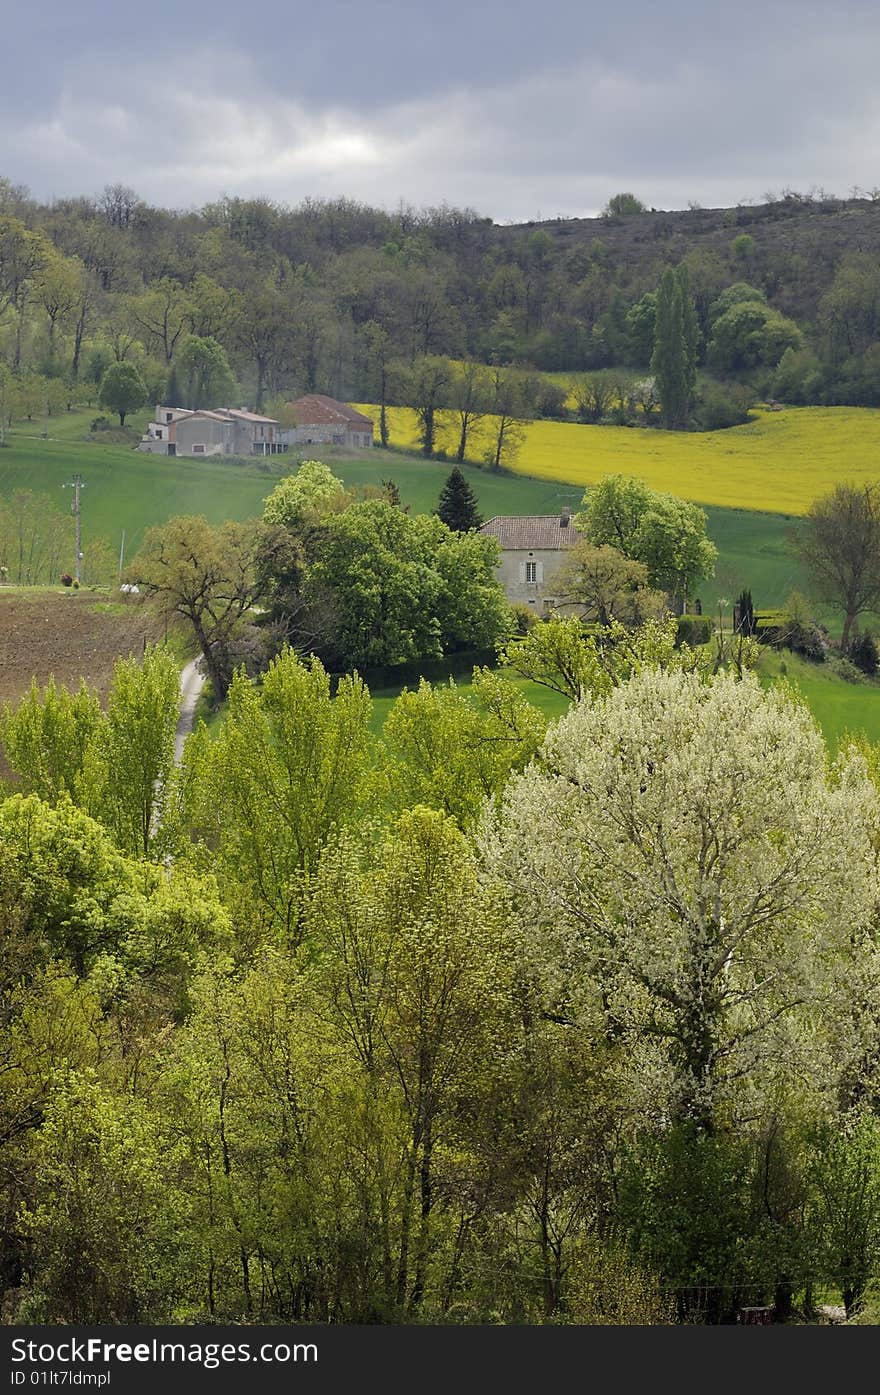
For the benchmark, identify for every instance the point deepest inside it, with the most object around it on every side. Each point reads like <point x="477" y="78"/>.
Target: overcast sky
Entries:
<point x="518" y="111"/>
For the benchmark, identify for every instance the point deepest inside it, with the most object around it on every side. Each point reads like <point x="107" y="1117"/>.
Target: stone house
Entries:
<point x="323" y="421"/>
<point x="533" y="548"/>
<point x="222" y="431"/>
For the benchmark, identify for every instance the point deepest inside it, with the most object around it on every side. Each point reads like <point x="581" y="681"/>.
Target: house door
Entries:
<point x="172" y="448"/>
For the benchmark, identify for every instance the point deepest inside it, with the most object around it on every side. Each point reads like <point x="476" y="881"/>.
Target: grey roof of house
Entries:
<point x="532" y="532"/>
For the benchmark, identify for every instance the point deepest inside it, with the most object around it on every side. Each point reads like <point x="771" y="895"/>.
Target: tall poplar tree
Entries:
<point x="673" y="362"/>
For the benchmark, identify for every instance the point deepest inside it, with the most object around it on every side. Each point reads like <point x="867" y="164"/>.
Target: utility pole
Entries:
<point x="121" y="553"/>
<point x="3" y="410"/>
<point x="76" y="485"/>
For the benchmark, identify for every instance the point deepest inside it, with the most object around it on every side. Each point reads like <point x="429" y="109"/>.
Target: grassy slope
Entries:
<point x="839" y="707"/>
<point x="125" y="489"/>
<point x="550" y="703"/>
<point x="780" y="462"/>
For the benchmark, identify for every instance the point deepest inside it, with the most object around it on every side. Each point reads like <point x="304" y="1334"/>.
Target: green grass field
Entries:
<point x="840" y="708"/>
<point x="779" y="463"/>
<point x="129" y="490"/>
<point x="550" y="703"/>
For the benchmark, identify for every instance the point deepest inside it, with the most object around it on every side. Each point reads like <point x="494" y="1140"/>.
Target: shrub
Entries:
<point x="101" y="424"/>
<point x="721" y="405"/>
<point x="863" y="652"/>
<point x="793" y="628"/>
<point x="846" y="669"/>
<point x="694" y="629"/>
<point x="550" y="400"/>
<point x="524" y="617"/>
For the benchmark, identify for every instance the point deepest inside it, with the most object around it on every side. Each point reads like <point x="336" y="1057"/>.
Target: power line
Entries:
<point x="76" y="484"/>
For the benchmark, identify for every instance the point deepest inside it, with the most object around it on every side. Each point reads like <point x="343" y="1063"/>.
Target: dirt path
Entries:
<point x="192" y="680"/>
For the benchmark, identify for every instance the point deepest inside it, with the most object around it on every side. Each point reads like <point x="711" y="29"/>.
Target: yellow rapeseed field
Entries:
<point x="780" y="462"/>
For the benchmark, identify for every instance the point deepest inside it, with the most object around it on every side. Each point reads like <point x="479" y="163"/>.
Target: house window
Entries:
<point x="198" y="450"/>
<point x="531" y="571"/>
<point x="167" y="416"/>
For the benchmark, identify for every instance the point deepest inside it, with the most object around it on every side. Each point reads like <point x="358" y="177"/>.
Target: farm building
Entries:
<point x="222" y="431"/>
<point x="324" y="421"/>
<point x="533" y="548"/>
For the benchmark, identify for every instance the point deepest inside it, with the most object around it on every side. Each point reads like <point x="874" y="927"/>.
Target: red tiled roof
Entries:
<point x="532" y="532"/>
<point x="316" y="410"/>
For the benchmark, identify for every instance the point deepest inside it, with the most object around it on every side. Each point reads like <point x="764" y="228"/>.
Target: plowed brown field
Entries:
<point x="68" y="634"/>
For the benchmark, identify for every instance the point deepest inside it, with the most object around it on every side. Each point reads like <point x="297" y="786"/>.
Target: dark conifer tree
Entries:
<point x="458" y="505"/>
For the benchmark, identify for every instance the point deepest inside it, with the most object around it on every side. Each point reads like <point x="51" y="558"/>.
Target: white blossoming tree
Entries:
<point x="689" y="875"/>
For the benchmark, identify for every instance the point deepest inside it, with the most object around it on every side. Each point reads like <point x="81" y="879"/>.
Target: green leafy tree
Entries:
<point x="419" y="963"/>
<point x="561" y="655"/>
<point x="211" y="578"/>
<point x="607" y="586"/>
<point x="290" y="765"/>
<point x="458" y="504"/>
<point x="109" y="1232"/>
<point x="623" y="206"/>
<point x="839" y="545"/>
<point x="122" y="390"/>
<point x="23" y="257"/>
<point x="202" y="369"/>
<point x="751" y="335"/>
<point x="138" y="748"/>
<point x="426" y="388"/>
<point x="472" y="609"/>
<point x="403" y="589"/>
<point x="48" y="738"/>
<point x="451" y="753"/>
<point x="116" y="764"/>
<point x="312" y="493"/>
<point x="846" y="1169"/>
<point x="667" y="534"/>
<point x="641" y="322"/>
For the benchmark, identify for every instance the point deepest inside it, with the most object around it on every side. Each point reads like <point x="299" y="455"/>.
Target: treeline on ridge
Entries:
<point x="251" y="298"/>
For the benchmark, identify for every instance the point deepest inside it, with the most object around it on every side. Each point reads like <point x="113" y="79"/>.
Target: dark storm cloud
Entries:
<point x="547" y="114"/>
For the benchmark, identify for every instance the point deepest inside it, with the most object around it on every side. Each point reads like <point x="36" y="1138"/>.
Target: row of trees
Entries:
<point x="478" y="1021"/>
<point x="322" y="297"/>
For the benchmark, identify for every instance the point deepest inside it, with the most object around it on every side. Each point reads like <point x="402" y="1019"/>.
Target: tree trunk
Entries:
<point x="462" y="441"/>
<point x="426" y="1187"/>
<point x="219" y="681"/>
<point x="77" y="345"/>
<point x="850" y="620"/>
